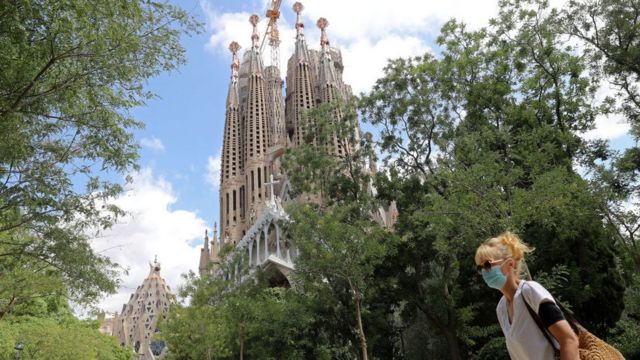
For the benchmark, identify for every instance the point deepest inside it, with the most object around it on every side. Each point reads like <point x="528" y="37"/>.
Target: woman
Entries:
<point x="500" y="261"/>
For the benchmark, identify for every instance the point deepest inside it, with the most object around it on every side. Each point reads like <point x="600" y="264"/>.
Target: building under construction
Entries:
<point x="261" y="121"/>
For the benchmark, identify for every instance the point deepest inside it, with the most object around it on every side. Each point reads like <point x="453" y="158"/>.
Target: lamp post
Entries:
<point x="19" y="347"/>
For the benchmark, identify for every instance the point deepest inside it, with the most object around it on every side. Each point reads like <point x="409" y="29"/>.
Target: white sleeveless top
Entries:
<point x="523" y="336"/>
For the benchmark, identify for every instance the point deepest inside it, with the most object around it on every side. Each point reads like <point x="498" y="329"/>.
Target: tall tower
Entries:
<point x="275" y="107"/>
<point x="259" y="125"/>
<point x="255" y="131"/>
<point x="329" y="87"/>
<point x="273" y="80"/>
<point x="300" y="81"/>
<point x="209" y="254"/>
<point x="232" y="162"/>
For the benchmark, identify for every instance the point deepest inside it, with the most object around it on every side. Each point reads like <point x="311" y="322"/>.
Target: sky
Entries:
<point x="174" y="196"/>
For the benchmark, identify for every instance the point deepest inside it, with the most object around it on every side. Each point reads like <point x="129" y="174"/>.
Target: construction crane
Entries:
<point x="273" y="14"/>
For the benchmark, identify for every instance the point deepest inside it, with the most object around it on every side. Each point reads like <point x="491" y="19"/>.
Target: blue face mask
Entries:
<point x="494" y="277"/>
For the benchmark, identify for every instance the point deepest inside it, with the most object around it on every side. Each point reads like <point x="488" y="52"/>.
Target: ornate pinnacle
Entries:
<point x="234" y="47"/>
<point x="297" y="8"/>
<point x="322" y="24"/>
<point x="235" y="63"/>
<point x="253" y="19"/>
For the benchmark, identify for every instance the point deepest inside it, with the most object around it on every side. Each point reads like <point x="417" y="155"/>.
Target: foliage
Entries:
<point x="626" y="335"/>
<point x="307" y="164"/>
<point x="340" y="247"/>
<point x="340" y="244"/>
<point x="67" y="338"/>
<point x="484" y="139"/>
<point x="494" y="349"/>
<point x="227" y="319"/>
<point x="47" y="328"/>
<point x="609" y="32"/>
<point x="70" y="72"/>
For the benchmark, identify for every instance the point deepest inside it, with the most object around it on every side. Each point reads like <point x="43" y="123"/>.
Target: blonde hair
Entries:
<point x="503" y="246"/>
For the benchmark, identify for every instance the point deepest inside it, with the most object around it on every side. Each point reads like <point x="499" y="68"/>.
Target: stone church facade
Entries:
<point x="137" y="322"/>
<point x="260" y="124"/>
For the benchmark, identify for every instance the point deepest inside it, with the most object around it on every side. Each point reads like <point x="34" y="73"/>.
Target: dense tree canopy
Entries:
<point x="47" y="329"/>
<point x="70" y="71"/>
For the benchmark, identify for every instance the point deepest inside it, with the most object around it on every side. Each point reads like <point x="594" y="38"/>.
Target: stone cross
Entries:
<point x="273" y="182"/>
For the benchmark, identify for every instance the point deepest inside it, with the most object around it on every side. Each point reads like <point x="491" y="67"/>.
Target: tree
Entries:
<point x="58" y="340"/>
<point x="339" y="251"/>
<point x="46" y="327"/>
<point x="230" y="320"/>
<point x="339" y="243"/>
<point x="610" y="33"/>
<point x="609" y="30"/>
<point x="483" y="139"/>
<point x="70" y="72"/>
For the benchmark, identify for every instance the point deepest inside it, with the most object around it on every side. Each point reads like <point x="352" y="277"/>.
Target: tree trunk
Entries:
<point x="452" y="343"/>
<point x="241" y="333"/>
<point x="363" y="339"/>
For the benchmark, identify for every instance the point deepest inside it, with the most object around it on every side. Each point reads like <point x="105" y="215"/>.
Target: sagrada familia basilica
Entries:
<point x="260" y="124"/>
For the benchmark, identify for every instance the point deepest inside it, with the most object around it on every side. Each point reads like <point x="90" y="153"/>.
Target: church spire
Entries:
<point x="255" y="63"/>
<point x="216" y="246"/>
<point x="231" y="164"/>
<point x="215" y="234"/>
<point x="301" y="84"/>
<point x="301" y="50"/>
<point x="235" y="63"/>
<point x="232" y="95"/>
<point x="322" y="25"/>
<point x="327" y="69"/>
<point x="204" y="255"/>
<point x="254" y="129"/>
<point x="297" y="8"/>
<point x="255" y="38"/>
<point x="154" y="268"/>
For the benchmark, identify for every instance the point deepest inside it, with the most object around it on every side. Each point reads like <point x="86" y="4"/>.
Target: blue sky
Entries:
<point x="174" y="196"/>
<point x="187" y="120"/>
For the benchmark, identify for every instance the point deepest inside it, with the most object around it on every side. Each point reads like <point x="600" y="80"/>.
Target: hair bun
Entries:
<point x="514" y="244"/>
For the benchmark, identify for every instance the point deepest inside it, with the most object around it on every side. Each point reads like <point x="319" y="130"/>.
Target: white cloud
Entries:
<point x="608" y="128"/>
<point x="213" y="171"/>
<point x="365" y="47"/>
<point x="611" y="126"/>
<point x="357" y="19"/>
<point x="152" y="143"/>
<point x="151" y="228"/>
<point x="368" y="33"/>
<point x="364" y="61"/>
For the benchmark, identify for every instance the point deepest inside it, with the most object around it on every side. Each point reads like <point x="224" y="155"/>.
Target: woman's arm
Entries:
<point x="567" y="339"/>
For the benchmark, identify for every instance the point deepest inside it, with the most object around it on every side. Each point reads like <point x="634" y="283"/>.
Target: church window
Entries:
<point x="234" y="202"/>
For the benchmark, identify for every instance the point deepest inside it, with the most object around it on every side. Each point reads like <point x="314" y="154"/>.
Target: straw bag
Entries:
<point x="590" y="346"/>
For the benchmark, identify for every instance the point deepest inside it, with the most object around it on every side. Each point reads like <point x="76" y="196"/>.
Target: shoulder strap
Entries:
<point x="538" y="321"/>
